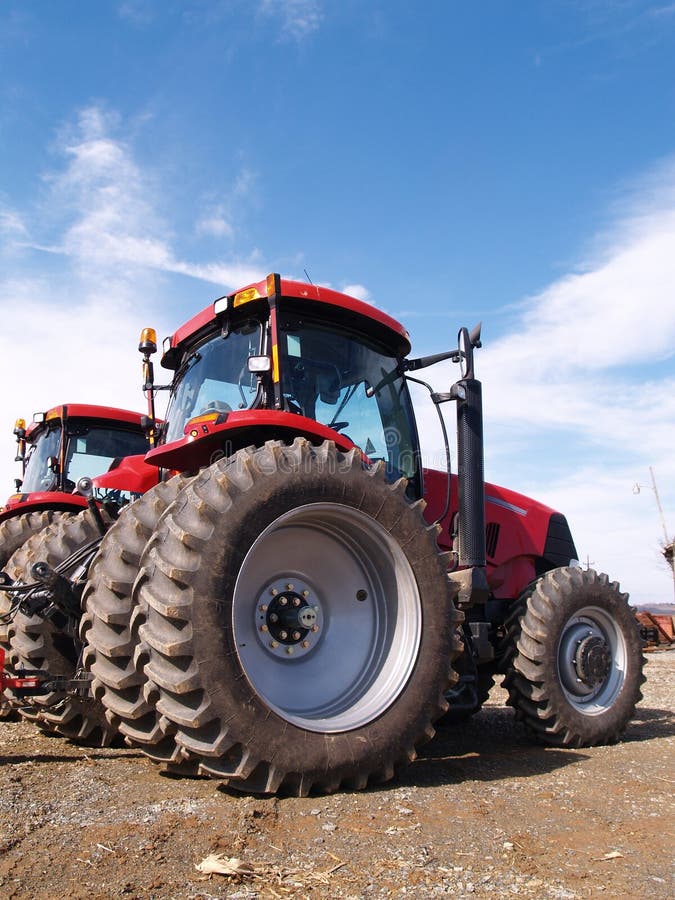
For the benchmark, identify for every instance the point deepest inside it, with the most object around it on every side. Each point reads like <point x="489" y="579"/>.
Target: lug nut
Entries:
<point x="289" y="650"/>
<point x="274" y="644"/>
<point x="305" y="593"/>
<point x="283" y="635"/>
<point x="274" y="592"/>
<point x="304" y="645"/>
<point x="289" y="587"/>
<point x="296" y="635"/>
<point x="274" y="617"/>
<point x="315" y="628"/>
<point x="263" y="607"/>
<point x="283" y="601"/>
<point x="263" y="627"/>
<point x="296" y="601"/>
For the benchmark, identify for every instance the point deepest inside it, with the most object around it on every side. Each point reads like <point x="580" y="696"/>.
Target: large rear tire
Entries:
<point x="574" y="659"/>
<point x="36" y="643"/>
<point x="299" y="621"/>
<point x="109" y="626"/>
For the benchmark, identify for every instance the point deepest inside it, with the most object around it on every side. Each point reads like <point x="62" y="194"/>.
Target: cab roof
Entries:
<point x="87" y="411"/>
<point x="310" y="299"/>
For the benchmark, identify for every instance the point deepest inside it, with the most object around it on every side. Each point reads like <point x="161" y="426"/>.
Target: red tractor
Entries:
<point x="297" y="607"/>
<point x="60" y="447"/>
<point x="55" y="451"/>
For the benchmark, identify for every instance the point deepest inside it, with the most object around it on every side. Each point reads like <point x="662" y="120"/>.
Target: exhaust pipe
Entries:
<point x="470" y="474"/>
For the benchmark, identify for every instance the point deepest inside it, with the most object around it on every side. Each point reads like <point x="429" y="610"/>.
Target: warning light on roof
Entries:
<point x="245" y="296"/>
<point x="148" y="341"/>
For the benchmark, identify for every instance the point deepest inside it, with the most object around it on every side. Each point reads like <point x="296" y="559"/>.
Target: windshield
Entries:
<point x="352" y="386"/>
<point x="37" y="476"/>
<point x="91" y="450"/>
<point x="214" y="377"/>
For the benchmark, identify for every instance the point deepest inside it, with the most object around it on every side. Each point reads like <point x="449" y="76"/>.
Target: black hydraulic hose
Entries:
<point x="76" y="558"/>
<point x="448" y="495"/>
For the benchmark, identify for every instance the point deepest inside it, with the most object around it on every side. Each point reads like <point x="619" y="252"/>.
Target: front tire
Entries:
<point x="574" y="659"/>
<point x="299" y="620"/>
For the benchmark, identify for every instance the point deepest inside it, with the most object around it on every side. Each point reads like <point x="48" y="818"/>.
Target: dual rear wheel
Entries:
<point x="295" y="623"/>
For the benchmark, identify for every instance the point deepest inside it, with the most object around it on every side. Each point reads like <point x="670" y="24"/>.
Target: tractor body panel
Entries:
<point x="523" y="537"/>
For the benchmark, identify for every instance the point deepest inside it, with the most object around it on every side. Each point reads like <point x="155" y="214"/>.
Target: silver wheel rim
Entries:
<point x="592" y="659"/>
<point x="351" y="643"/>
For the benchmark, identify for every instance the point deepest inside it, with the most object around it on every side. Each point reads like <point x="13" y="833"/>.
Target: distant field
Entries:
<point x="659" y="609"/>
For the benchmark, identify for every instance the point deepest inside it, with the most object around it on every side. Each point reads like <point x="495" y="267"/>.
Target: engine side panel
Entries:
<point x="523" y="537"/>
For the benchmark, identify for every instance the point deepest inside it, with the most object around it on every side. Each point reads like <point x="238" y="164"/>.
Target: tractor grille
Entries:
<point x="491" y="538"/>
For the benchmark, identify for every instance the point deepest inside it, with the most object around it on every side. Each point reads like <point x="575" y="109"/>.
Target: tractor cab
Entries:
<point x="66" y="443"/>
<point x="280" y="359"/>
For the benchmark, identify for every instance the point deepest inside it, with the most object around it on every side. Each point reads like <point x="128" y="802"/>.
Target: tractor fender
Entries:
<point x="20" y="504"/>
<point x="128" y="473"/>
<point x="206" y="441"/>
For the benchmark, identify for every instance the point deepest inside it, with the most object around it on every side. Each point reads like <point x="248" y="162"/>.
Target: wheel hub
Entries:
<point x="593" y="660"/>
<point x="289" y="618"/>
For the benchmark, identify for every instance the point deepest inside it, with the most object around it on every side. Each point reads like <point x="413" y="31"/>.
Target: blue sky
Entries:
<point x="506" y="161"/>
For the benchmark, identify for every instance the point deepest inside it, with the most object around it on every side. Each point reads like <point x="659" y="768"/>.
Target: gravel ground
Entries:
<point x="481" y="813"/>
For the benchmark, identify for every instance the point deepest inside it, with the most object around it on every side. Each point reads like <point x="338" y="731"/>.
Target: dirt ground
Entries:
<point x="482" y="812"/>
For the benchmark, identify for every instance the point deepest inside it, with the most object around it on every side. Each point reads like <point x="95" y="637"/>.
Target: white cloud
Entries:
<point x="11" y="224"/>
<point x="59" y="347"/>
<point x="215" y="225"/>
<point x="105" y="211"/>
<point x="72" y="315"/>
<point x="299" y="18"/>
<point x="358" y="291"/>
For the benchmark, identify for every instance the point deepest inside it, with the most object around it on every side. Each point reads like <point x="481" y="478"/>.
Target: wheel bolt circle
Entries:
<point x="288" y="619"/>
